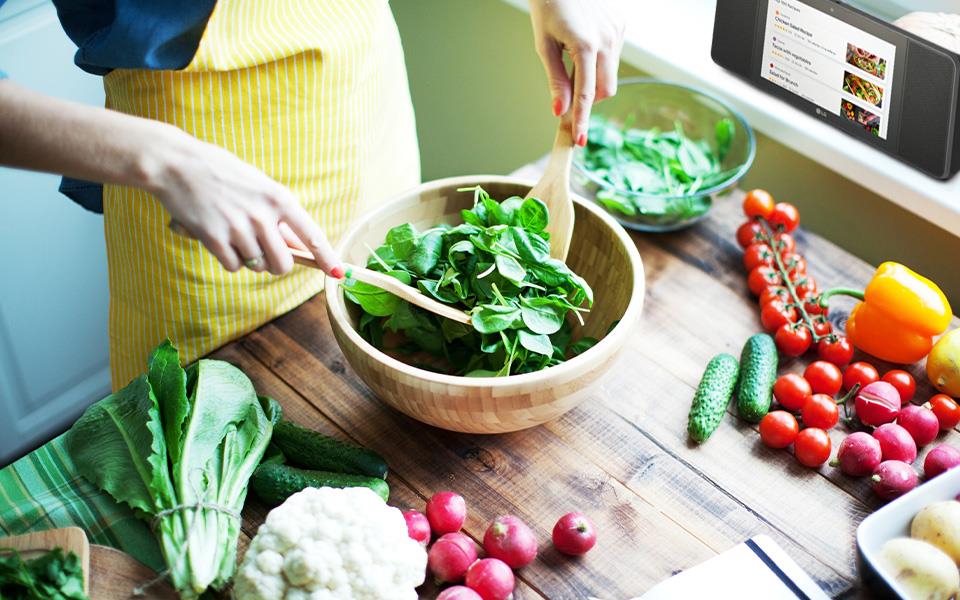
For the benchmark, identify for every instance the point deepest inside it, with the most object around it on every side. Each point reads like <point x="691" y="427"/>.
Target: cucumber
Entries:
<point x="713" y="395"/>
<point x="758" y="371"/>
<point x="274" y="483"/>
<point x="312" y="450"/>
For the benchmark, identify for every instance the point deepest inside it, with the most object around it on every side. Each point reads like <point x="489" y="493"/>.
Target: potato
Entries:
<point x="924" y="571"/>
<point x="939" y="524"/>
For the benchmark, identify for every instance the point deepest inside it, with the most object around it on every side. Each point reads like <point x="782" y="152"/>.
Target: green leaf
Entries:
<point x="509" y="268"/>
<point x="426" y="255"/>
<point x="725" y="130"/>
<point x="533" y="215"/>
<point x="491" y="318"/>
<point x="536" y="342"/>
<point x="374" y="300"/>
<point x="168" y="381"/>
<point x="402" y="240"/>
<point x="542" y="315"/>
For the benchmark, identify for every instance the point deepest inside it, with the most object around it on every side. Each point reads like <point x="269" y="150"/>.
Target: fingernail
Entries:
<point x="557" y="107"/>
<point x="582" y="140"/>
<point x="337" y="272"/>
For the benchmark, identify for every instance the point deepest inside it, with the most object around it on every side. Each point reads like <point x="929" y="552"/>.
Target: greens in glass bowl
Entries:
<point x="659" y="153"/>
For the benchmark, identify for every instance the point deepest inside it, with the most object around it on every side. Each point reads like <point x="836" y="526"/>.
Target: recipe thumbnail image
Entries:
<point x="863" y="89"/>
<point x="867" y="61"/>
<point x="865" y="118"/>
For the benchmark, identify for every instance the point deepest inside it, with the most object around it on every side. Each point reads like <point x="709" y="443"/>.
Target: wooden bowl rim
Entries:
<point x="336" y="303"/>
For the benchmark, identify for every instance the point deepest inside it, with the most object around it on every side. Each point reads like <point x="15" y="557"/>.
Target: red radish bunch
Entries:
<point x="446" y="512"/>
<point x="878" y="403"/>
<point x="941" y="458"/>
<point x="574" y="534"/>
<point x="418" y="527"/>
<point x="508" y="543"/>
<point x="893" y="478"/>
<point x="509" y="539"/>
<point x="896" y="443"/>
<point x="859" y="454"/>
<point x="920" y="423"/>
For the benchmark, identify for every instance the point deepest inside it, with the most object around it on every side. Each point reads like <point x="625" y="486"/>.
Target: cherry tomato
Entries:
<point x="836" y="349"/>
<point x="762" y="277"/>
<point x="778" y="429"/>
<point x="813" y="308"/>
<point x="904" y="383"/>
<point x="749" y="233"/>
<point x="821" y="412"/>
<point x="822" y="326"/>
<point x="824" y="377"/>
<point x="805" y="287"/>
<point x="784" y="215"/>
<point x="776" y="292"/>
<point x="757" y="203"/>
<point x="774" y="314"/>
<point x="792" y="391"/>
<point x="756" y="255"/>
<point x="784" y="243"/>
<point x="812" y="447"/>
<point x="795" y="265"/>
<point x="859" y="372"/>
<point x="947" y="411"/>
<point x="793" y="339"/>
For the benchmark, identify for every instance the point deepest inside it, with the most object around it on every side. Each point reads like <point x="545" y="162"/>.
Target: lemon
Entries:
<point x="943" y="364"/>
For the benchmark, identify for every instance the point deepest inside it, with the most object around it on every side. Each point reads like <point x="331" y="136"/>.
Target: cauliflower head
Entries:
<point x="326" y="544"/>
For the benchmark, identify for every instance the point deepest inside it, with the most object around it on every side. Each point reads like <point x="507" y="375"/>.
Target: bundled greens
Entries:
<point x="497" y="266"/>
<point x="179" y="446"/>
<point x="50" y="576"/>
<point x="658" y="164"/>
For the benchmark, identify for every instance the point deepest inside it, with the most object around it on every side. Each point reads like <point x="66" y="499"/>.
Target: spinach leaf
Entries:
<point x="402" y="240"/>
<point x="491" y="318"/>
<point x="536" y="342"/>
<point x="542" y="315"/>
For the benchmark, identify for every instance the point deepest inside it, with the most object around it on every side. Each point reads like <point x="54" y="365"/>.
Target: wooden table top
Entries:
<point x="660" y="504"/>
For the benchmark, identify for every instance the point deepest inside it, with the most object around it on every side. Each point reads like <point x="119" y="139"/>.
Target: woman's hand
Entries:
<point x="591" y="31"/>
<point x="241" y="215"/>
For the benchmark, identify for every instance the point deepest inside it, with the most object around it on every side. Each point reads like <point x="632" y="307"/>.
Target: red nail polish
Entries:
<point x="582" y="140"/>
<point x="557" y="107"/>
<point x="337" y="272"/>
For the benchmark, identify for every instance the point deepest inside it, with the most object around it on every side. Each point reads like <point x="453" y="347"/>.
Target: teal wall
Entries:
<point x="483" y="107"/>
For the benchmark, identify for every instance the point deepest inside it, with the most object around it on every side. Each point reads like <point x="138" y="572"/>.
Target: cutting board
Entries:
<point x="116" y="574"/>
<point x="71" y="539"/>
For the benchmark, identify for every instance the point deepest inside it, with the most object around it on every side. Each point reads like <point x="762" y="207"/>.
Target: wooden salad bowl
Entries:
<point x="601" y="252"/>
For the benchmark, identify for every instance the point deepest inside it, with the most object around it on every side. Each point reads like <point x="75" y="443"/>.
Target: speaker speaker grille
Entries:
<point x="925" y="120"/>
<point x="733" y="33"/>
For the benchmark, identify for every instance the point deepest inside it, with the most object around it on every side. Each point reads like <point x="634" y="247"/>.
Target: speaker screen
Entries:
<point x="733" y="30"/>
<point x="840" y="68"/>
<point x="927" y="108"/>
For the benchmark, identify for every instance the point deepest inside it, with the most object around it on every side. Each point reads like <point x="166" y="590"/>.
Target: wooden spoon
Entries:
<point x="553" y="189"/>
<point x="389" y="284"/>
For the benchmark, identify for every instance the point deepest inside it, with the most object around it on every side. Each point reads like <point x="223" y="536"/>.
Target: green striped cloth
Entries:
<point x="43" y="490"/>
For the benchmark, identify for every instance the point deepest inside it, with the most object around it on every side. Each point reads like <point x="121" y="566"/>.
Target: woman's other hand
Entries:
<point x="241" y="215"/>
<point x="591" y="31"/>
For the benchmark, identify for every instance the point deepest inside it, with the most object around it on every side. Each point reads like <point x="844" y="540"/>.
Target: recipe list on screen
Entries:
<point x="842" y="69"/>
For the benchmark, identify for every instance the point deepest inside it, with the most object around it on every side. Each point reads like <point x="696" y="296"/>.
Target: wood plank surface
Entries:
<point x="660" y="503"/>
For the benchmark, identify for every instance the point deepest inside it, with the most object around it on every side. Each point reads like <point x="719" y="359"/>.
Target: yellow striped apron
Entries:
<point x="312" y="92"/>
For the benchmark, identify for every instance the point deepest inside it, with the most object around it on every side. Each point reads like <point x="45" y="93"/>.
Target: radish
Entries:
<point x="574" y="534"/>
<point x="878" y="403"/>
<point x="859" y="454"/>
<point x="920" y="422"/>
<point x="941" y="458"/>
<point x="896" y="443"/>
<point x="509" y="539"/>
<point x="893" y="478"/>
<point x="418" y="527"/>
<point x="458" y="592"/>
<point x="491" y="578"/>
<point x="451" y="556"/>
<point x="446" y="512"/>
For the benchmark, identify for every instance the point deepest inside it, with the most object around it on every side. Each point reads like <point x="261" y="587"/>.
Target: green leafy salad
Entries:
<point x="54" y="575"/>
<point x="659" y="164"/>
<point x="497" y="266"/>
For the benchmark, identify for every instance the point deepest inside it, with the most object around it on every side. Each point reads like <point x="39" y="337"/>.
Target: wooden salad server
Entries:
<point x="389" y="284"/>
<point x="553" y="189"/>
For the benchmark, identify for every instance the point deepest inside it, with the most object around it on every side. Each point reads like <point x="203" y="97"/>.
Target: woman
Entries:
<point x="252" y="124"/>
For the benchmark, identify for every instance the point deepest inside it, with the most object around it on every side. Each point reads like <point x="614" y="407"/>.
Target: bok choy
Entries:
<point x="179" y="447"/>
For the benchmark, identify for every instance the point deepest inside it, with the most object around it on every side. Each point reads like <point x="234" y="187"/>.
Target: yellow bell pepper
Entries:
<point x="900" y="314"/>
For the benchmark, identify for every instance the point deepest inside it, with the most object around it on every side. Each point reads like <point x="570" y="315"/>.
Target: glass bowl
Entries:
<point x="649" y="105"/>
